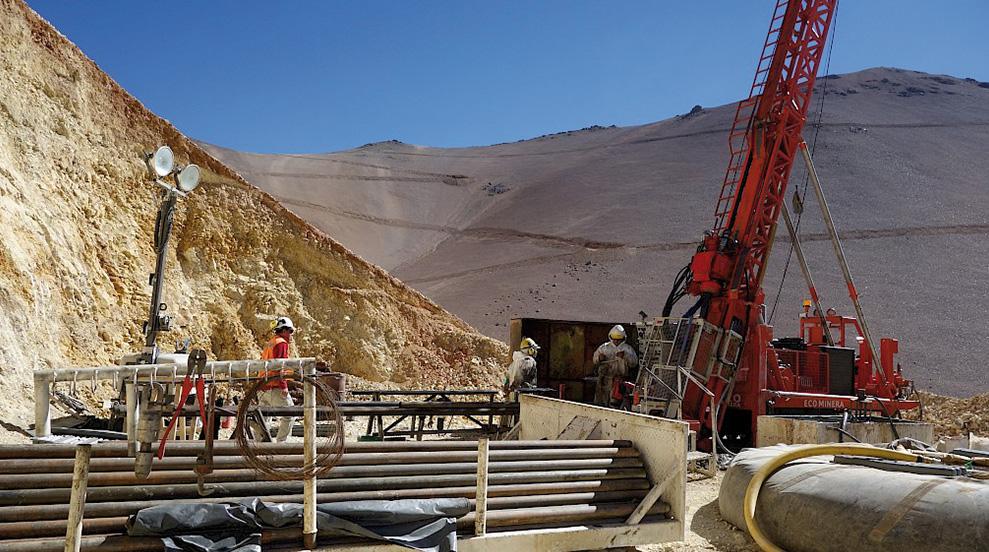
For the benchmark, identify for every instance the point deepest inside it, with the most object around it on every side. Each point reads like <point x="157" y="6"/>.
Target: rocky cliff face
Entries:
<point x="76" y="218"/>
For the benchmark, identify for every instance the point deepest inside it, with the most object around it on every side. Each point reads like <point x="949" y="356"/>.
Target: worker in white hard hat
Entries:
<point x="612" y="361"/>
<point x="275" y="393"/>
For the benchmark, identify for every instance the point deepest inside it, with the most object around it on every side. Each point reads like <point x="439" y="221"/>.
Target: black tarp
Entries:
<point x="236" y="526"/>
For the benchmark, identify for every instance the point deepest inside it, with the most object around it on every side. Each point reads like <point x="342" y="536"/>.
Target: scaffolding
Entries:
<point x="675" y="351"/>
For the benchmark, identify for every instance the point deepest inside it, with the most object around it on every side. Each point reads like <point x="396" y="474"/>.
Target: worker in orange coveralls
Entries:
<point x="276" y="392"/>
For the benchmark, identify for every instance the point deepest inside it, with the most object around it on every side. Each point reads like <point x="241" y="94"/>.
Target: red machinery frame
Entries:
<point x="727" y="271"/>
<point x="883" y="380"/>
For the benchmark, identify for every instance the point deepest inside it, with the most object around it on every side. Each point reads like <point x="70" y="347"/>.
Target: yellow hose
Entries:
<point x="755" y="484"/>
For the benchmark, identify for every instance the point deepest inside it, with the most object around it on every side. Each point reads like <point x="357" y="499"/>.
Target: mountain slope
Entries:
<point x="76" y="218"/>
<point x="594" y="224"/>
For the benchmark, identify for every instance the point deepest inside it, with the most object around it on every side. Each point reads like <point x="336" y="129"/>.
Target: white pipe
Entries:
<point x="805" y="268"/>
<point x="130" y="421"/>
<point x="842" y="261"/>
<point x="216" y="369"/>
<point x="42" y="405"/>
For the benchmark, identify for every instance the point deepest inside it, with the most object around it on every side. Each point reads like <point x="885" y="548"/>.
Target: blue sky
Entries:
<point x="312" y="76"/>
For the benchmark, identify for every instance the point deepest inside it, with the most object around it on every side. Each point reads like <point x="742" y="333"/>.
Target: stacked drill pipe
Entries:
<point x="530" y="483"/>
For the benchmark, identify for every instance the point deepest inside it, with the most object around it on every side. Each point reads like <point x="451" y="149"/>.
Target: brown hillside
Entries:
<point x="76" y="215"/>
<point x="595" y="223"/>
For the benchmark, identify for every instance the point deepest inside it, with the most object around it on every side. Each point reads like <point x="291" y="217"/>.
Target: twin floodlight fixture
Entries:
<point x="161" y="163"/>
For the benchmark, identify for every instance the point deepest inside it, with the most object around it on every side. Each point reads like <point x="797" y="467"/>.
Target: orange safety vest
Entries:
<point x="269" y="354"/>
<point x="269" y="351"/>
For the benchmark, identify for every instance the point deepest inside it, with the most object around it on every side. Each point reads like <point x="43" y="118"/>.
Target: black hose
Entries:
<point x="843" y="432"/>
<point x="892" y="425"/>
<point x="721" y="404"/>
<point x="698" y="306"/>
<point x="844" y="424"/>
<point x="678" y="291"/>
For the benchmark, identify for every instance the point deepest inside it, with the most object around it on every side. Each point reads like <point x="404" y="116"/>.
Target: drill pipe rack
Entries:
<point x="623" y="488"/>
<point x="227" y="371"/>
<point x="579" y="491"/>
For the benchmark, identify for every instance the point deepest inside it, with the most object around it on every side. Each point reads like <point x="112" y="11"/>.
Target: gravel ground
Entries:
<point x="705" y="528"/>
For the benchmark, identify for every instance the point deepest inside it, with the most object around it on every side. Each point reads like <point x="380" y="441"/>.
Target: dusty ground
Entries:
<point x="76" y="217"/>
<point x="705" y="529"/>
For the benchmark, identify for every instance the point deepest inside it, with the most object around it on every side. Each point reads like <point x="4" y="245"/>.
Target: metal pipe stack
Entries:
<point x="530" y="484"/>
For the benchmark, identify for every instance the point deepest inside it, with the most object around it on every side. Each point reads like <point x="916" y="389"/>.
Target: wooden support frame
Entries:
<point x="651" y="497"/>
<point x="309" y="457"/>
<point x="481" y="500"/>
<point x="558" y="539"/>
<point x="661" y="442"/>
<point x="77" y="502"/>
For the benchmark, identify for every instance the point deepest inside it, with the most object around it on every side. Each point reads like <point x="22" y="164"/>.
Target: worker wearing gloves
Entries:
<point x="612" y="362"/>
<point x="522" y="370"/>
<point x="275" y="393"/>
<point x="521" y="374"/>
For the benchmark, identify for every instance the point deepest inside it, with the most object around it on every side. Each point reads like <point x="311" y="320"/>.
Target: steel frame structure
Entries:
<point x="727" y="271"/>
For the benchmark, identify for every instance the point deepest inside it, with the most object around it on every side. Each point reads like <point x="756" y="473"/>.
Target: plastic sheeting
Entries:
<point x="813" y="505"/>
<point x="428" y="525"/>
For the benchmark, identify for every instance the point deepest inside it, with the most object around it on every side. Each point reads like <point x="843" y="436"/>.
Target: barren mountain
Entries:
<point x="76" y="218"/>
<point x="595" y="223"/>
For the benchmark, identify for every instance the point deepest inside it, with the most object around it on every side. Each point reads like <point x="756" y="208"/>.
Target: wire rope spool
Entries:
<point x="330" y="445"/>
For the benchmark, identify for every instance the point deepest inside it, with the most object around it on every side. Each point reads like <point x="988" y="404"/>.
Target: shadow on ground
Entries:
<point x="721" y="535"/>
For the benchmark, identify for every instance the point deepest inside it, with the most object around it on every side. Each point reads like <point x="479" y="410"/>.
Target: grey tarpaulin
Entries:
<point x="428" y="525"/>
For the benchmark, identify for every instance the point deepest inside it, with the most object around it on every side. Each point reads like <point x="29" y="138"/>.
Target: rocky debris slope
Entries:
<point x="76" y="219"/>
<point x="953" y="416"/>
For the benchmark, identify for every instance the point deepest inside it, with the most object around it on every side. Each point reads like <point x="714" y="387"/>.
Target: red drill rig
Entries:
<point x="719" y="361"/>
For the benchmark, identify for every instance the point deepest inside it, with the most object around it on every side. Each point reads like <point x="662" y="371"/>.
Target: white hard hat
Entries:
<point x="617" y="333"/>
<point x="282" y="322"/>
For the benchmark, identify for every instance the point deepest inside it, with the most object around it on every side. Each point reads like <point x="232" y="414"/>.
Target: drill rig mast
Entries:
<point x="720" y="350"/>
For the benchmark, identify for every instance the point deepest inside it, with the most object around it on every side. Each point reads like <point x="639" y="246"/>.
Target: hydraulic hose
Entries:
<point x="760" y="477"/>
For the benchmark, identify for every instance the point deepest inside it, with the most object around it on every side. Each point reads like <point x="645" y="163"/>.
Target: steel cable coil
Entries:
<point x="326" y="410"/>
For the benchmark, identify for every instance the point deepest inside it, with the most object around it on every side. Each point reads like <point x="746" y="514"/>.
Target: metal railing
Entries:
<point x="129" y="375"/>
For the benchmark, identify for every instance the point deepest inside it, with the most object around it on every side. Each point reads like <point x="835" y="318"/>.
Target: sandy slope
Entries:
<point x="593" y="224"/>
<point x="76" y="215"/>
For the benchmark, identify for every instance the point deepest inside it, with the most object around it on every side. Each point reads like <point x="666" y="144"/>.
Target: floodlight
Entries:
<point x="162" y="161"/>
<point x="188" y="178"/>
